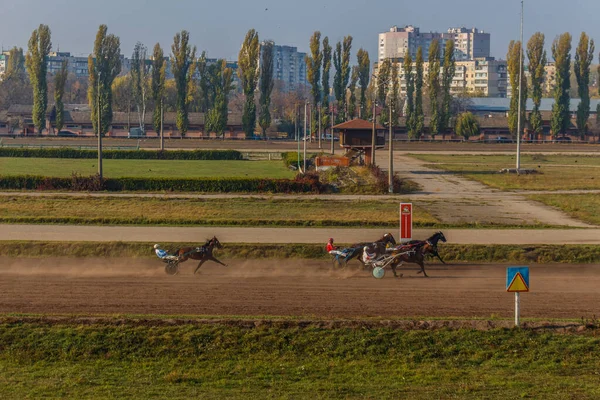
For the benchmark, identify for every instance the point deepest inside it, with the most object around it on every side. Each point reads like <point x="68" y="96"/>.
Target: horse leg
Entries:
<point x="199" y="265"/>
<point x="394" y="266"/>
<point x="217" y="261"/>
<point x="422" y="264"/>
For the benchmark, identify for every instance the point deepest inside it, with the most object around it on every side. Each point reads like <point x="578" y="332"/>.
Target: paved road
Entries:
<point x="78" y="233"/>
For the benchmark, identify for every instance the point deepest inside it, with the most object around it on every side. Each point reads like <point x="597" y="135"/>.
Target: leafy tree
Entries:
<point x="409" y="107"/>
<point x="583" y="60"/>
<point x="383" y="83"/>
<point x="266" y="87"/>
<point x="467" y="125"/>
<point x="352" y="90"/>
<point x="60" y="80"/>
<point x="15" y="67"/>
<point x="313" y="73"/>
<point x="182" y="62"/>
<point x="248" y="71"/>
<point x="159" y="67"/>
<point x="326" y="53"/>
<point x="122" y="91"/>
<point x="419" y="117"/>
<point x="537" y="63"/>
<point x="561" y="52"/>
<point x="434" y="86"/>
<point x="37" y="67"/>
<point x="104" y="66"/>
<point x="447" y="75"/>
<point x="221" y="84"/>
<point x="341" y="62"/>
<point x="139" y="81"/>
<point x="364" y="75"/>
<point x="395" y="93"/>
<point x="202" y="68"/>
<point x="513" y="60"/>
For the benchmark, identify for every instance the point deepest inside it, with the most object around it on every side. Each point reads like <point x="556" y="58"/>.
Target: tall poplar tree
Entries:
<point x="447" y="76"/>
<point x="341" y="62"/>
<point x="221" y="83"/>
<point x="352" y="90"/>
<point x="266" y="87"/>
<point x="313" y="73"/>
<point x="60" y="80"/>
<point x="384" y="74"/>
<point x="103" y="67"/>
<point x="409" y="105"/>
<point x="182" y="62"/>
<point x="419" y="117"/>
<point x="537" y="63"/>
<point x="364" y="75"/>
<point x="394" y="101"/>
<point x="561" y="52"/>
<point x="139" y="81"/>
<point x="515" y="51"/>
<point x="434" y="86"/>
<point x="159" y="67"/>
<point x="583" y="60"/>
<point x="325" y="81"/>
<point x="248" y="71"/>
<point x="36" y="61"/>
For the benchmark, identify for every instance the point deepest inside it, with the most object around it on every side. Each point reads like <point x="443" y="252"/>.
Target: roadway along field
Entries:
<point x="289" y="288"/>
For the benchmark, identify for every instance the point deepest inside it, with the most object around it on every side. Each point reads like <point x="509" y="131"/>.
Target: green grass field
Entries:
<point x="146" y="359"/>
<point x="558" y="172"/>
<point x="236" y="211"/>
<point x="581" y="206"/>
<point x="144" y="168"/>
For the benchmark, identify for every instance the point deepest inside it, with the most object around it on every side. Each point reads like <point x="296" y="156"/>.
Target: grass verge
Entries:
<point x="209" y="212"/>
<point x="221" y="360"/>
<point x="583" y="207"/>
<point x="560" y="172"/>
<point x="586" y="254"/>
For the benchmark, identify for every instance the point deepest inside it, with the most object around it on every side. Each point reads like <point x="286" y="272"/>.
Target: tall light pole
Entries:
<point x="297" y="130"/>
<point x="391" y="154"/>
<point x="162" y="119"/>
<point x="332" y="148"/>
<point x="305" y="132"/>
<point x="520" y="95"/>
<point x="99" y="129"/>
<point x="374" y="134"/>
<point x="319" y="132"/>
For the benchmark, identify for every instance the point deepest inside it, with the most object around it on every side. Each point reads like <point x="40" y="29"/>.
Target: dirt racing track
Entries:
<point x="289" y="288"/>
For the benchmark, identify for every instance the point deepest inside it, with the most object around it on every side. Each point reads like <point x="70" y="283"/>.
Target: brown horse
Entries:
<point x="378" y="247"/>
<point x="204" y="253"/>
<point x="415" y="252"/>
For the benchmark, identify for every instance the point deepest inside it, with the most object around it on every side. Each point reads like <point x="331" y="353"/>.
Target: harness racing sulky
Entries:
<point x="202" y="253"/>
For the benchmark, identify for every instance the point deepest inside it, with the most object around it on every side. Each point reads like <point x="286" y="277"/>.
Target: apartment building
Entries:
<point x="289" y="67"/>
<point x="3" y="60"/>
<point x="549" y="79"/>
<point x="397" y="42"/>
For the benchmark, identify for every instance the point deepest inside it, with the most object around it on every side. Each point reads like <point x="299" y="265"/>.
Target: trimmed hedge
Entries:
<point x="122" y="154"/>
<point x="219" y="185"/>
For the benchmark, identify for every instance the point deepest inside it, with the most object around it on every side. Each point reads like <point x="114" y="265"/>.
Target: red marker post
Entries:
<point x="406" y="214"/>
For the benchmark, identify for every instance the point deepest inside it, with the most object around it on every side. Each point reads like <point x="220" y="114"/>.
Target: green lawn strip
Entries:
<point x="211" y="212"/>
<point x="451" y="253"/>
<point x="230" y="361"/>
<point x="557" y="173"/>
<point x="58" y="167"/>
<point x="580" y="206"/>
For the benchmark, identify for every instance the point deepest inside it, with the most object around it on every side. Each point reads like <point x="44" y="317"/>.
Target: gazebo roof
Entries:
<point x="358" y="125"/>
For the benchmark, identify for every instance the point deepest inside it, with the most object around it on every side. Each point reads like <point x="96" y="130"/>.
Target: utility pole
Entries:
<point x="162" y="119"/>
<point x="374" y="135"/>
<point x="332" y="148"/>
<point x="520" y="96"/>
<point x="297" y="129"/>
<point x="305" y="132"/>
<point x="319" y="133"/>
<point x="99" y="130"/>
<point x="391" y="154"/>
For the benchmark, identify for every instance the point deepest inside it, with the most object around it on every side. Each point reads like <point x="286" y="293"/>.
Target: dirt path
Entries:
<point x="284" y="288"/>
<point x="82" y="233"/>
<point x="470" y="201"/>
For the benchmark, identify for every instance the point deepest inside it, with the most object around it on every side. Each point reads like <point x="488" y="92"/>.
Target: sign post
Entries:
<point x="406" y="214"/>
<point x="517" y="281"/>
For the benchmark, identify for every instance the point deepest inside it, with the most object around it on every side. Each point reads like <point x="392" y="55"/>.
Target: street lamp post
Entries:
<point x="374" y="134"/>
<point x="319" y="132"/>
<point x="332" y="148"/>
<point x="162" y="119"/>
<point x="305" y="132"/>
<point x="520" y="96"/>
<point x="99" y="129"/>
<point x="391" y="155"/>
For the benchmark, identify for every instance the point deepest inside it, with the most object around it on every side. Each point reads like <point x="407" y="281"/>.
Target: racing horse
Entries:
<point x="378" y="247"/>
<point x="204" y="253"/>
<point x="415" y="252"/>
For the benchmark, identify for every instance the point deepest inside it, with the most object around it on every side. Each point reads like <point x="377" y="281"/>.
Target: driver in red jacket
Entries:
<point x="330" y="246"/>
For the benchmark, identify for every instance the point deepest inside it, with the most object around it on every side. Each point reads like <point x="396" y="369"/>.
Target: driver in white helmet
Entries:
<point x="160" y="253"/>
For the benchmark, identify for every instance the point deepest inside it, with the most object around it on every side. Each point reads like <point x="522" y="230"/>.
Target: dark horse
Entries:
<point x="204" y="253"/>
<point x="378" y="247"/>
<point x="415" y="252"/>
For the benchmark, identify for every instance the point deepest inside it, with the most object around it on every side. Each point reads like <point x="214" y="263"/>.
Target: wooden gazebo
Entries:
<point x="356" y="135"/>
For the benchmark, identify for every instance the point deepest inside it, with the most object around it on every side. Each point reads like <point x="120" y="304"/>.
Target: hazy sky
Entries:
<point x="219" y="26"/>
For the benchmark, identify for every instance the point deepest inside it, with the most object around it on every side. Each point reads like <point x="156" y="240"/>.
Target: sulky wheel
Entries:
<point x="172" y="268"/>
<point x="378" y="273"/>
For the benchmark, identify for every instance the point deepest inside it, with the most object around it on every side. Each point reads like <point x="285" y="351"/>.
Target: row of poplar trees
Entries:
<point x="561" y="53"/>
<point x="194" y="78"/>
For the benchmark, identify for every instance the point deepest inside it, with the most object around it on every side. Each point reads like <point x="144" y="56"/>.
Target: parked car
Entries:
<point x="136" y="133"/>
<point x="503" y="139"/>
<point x="328" y="137"/>
<point x="562" y="139"/>
<point x="66" y="134"/>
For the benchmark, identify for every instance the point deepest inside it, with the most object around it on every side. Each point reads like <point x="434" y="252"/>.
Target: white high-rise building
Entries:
<point x="289" y="67"/>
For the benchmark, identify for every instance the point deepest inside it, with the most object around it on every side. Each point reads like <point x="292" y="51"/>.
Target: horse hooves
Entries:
<point x="399" y="276"/>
